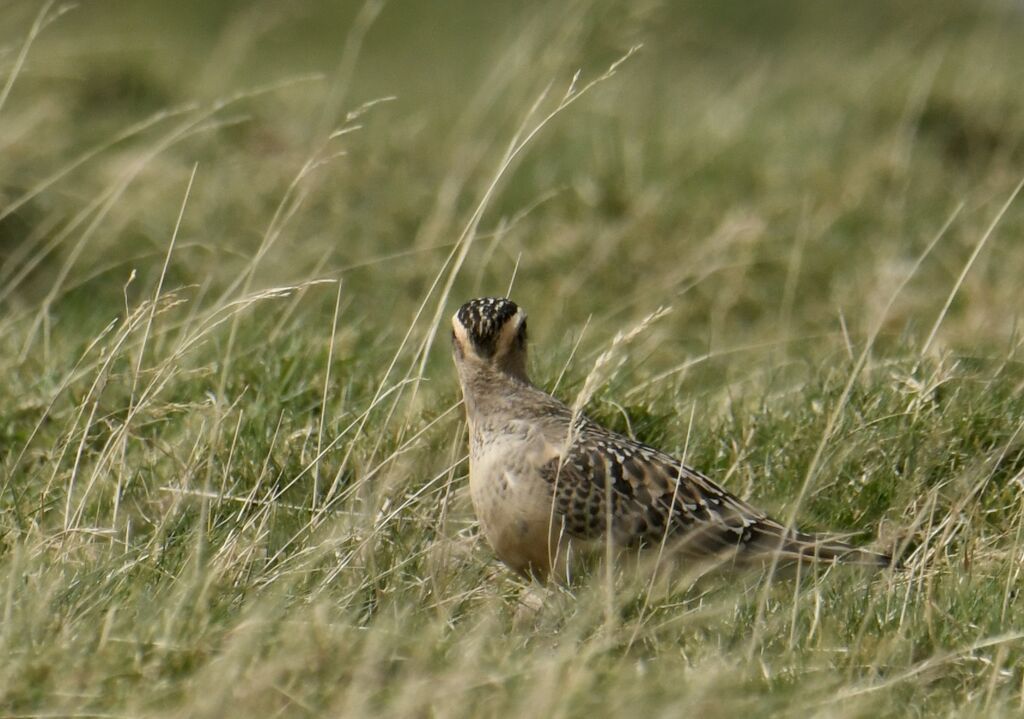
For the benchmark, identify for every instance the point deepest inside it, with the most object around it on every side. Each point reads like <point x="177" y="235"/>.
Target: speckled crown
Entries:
<point x="483" y="319"/>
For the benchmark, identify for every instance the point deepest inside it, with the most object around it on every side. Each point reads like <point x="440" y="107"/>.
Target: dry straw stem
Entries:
<point x="454" y="261"/>
<point x="948" y="523"/>
<point x="594" y="379"/>
<point x="978" y="247"/>
<point x="833" y="420"/>
<point x="196" y="123"/>
<point x="43" y="18"/>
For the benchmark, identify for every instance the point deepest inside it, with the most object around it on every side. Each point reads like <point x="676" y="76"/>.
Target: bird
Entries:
<point x="548" y="484"/>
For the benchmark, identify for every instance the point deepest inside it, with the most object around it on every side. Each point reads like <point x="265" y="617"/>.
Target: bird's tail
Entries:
<point x="774" y="539"/>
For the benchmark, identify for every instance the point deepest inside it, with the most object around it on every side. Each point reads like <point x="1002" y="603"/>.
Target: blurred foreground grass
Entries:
<point x="231" y="235"/>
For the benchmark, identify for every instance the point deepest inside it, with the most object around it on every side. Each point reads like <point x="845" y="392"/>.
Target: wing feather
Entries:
<point x="653" y="498"/>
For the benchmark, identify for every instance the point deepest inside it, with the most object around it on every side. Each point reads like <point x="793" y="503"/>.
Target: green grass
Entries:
<point x="232" y="460"/>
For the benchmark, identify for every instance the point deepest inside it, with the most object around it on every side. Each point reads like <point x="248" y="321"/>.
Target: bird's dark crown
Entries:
<point x="483" y="320"/>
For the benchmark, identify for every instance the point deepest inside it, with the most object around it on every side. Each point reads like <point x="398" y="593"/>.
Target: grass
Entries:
<point x="233" y="460"/>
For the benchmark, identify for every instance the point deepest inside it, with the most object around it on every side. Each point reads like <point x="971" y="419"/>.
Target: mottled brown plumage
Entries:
<point x="546" y="484"/>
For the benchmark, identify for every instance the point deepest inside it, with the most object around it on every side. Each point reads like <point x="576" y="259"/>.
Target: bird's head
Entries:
<point x="490" y="332"/>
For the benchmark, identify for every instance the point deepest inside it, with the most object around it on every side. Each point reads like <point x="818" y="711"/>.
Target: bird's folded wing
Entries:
<point x="645" y="496"/>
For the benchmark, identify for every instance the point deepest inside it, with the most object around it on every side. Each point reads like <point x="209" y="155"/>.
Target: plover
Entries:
<point x="546" y="482"/>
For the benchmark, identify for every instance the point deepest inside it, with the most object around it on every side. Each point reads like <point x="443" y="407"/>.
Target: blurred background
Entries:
<point x="756" y="167"/>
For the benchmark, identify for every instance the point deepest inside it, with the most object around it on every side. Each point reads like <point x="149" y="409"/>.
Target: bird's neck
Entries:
<point x="491" y="394"/>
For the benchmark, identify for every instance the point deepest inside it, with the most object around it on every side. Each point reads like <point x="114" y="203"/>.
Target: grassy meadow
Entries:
<point x="232" y="455"/>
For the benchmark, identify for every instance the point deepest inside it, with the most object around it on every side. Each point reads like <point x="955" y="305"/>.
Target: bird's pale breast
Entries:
<point x="511" y="498"/>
